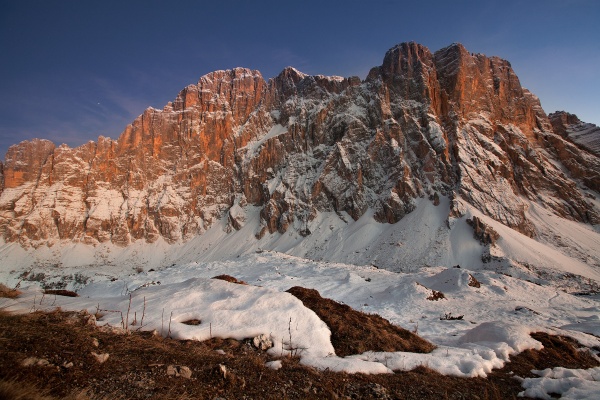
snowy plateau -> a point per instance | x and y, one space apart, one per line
437 173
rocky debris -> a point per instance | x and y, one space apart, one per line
421 124
100 358
34 361
95 342
231 378
483 232
262 342
222 370
179 371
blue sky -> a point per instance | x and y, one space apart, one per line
73 70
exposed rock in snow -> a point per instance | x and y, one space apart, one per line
485 234
262 342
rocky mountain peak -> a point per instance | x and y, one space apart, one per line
422 124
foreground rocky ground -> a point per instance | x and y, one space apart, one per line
62 355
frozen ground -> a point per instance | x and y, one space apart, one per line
529 286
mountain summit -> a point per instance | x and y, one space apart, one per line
450 124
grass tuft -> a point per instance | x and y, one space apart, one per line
7 292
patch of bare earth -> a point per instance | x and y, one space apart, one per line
59 347
354 332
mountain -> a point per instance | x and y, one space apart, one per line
299 154
583 134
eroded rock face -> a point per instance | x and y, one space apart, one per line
583 134
483 232
421 124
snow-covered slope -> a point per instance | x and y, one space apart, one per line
566 252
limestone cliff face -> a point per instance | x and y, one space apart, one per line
421 124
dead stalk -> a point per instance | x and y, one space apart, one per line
170 318
128 309
290 333
143 313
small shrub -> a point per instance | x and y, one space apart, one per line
192 322
81 279
39 277
450 317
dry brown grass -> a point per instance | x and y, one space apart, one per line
7 292
558 351
14 390
229 278
354 332
61 292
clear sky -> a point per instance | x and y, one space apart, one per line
73 70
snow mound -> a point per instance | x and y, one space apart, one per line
568 383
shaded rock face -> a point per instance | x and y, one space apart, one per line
482 232
422 124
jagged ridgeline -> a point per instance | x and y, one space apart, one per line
422 124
